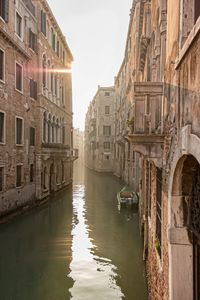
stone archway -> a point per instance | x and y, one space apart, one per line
51 178
184 231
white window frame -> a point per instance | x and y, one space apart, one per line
4 63
17 63
22 144
22 26
4 133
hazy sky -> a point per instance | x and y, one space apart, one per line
96 34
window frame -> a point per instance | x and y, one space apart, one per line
22 31
32 139
4 129
22 75
4 64
22 137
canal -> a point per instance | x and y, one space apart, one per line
78 246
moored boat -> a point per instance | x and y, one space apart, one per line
127 197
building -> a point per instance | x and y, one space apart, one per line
35 105
100 131
78 141
157 121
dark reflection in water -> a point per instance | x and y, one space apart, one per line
79 246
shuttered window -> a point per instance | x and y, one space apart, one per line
32 136
18 79
32 40
2 64
43 22
19 131
107 110
18 25
19 176
4 10
2 127
33 89
107 130
31 172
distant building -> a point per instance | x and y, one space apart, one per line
78 142
100 131
36 147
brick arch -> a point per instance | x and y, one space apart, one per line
179 235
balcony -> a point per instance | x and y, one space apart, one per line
145 124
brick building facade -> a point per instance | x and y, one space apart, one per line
157 119
35 105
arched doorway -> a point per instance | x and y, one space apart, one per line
184 231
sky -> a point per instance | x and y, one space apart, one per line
96 32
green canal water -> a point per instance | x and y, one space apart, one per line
78 246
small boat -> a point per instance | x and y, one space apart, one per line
127 197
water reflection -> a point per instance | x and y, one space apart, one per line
78 246
93 277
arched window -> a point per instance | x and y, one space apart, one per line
44 79
49 128
63 171
49 75
63 131
57 131
53 129
52 79
44 126
45 178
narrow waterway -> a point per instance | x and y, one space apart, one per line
78 246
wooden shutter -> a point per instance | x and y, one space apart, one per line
6 12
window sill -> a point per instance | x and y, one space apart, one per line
188 43
2 144
21 92
2 81
19 145
1 19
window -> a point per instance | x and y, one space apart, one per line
107 110
32 136
107 130
43 22
18 25
63 172
196 10
33 89
53 39
106 145
19 131
4 10
1 178
32 40
107 94
31 172
2 64
2 127
18 79
159 210
58 48
19 176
